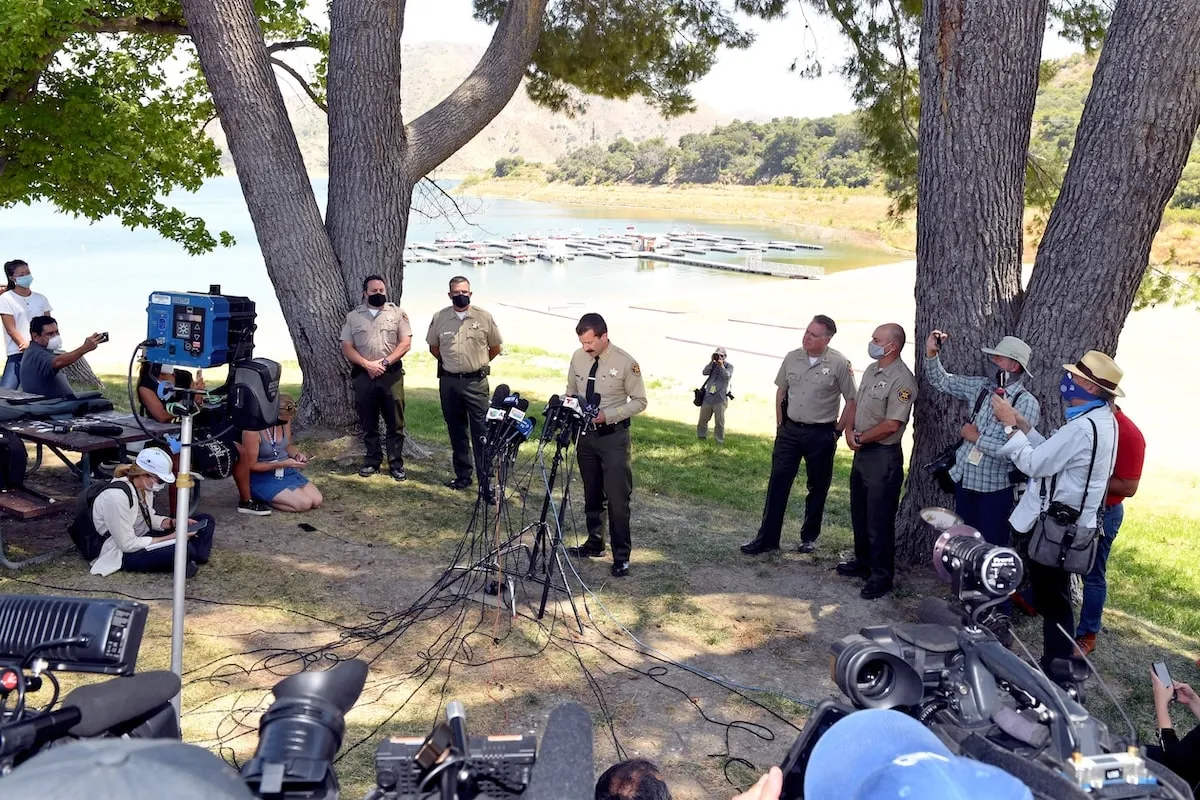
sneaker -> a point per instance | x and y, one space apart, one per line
852 569
459 483
398 474
367 470
807 547
254 507
1086 643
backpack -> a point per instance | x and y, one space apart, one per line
13 460
82 530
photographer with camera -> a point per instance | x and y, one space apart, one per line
43 361
714 396
1070 471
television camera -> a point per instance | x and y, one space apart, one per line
980 699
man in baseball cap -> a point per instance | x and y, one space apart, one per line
713 396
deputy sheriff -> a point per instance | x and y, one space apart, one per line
811 384
607 378
885 399
464 339
376 336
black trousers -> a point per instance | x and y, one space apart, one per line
815 445
464 407
1052 598
875 482
162 559
375 398
607 477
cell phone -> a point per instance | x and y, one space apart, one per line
794 767
304 526
103 337
195 526
1164 677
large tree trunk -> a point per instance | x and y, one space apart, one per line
295 246
1133 141
979 71
369 190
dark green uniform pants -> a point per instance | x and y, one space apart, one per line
464 407
607 476
376 397
875 482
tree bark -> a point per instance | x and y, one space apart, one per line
80 374
369 190
1138 125
978 72
297 250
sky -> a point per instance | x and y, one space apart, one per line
750 84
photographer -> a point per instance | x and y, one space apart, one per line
1070 471
715 397
42 363
1181 756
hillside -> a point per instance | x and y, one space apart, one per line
432 70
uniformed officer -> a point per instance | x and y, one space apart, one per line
464 339
811 383
607 378
885 400
374 339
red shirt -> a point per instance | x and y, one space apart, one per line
1131 453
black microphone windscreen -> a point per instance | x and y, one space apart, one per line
564 769
523 404
103 705
499 395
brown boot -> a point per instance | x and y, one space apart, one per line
1086 643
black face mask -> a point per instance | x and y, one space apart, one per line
376 300
461 301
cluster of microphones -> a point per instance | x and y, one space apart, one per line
509 423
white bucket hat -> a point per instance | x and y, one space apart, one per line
1014 348
157 463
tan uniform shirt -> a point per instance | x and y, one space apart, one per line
885 393
463 344
374 336
618 382
813 390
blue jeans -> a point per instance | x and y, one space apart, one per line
1095 587
986 512
12 372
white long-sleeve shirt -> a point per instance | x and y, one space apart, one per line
124 524
1066 454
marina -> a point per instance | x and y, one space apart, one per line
687 247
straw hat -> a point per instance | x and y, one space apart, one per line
1100 369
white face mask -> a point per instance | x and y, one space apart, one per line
55 343
157 487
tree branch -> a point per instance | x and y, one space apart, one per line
312 94
161 27
447 127
294 44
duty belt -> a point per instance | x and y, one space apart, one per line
606 430
466 376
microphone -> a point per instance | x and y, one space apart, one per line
495 412
20 737
551 412
564 769
519 432
456 716
515 414
104 705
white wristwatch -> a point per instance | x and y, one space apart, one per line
1009 430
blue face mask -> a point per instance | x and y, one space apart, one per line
876 351
1072 391
25 281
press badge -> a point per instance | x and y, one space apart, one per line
975 457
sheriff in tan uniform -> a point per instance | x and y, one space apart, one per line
464 339
812 384
608 378
885 399
377 334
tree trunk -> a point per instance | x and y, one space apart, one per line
979 72
369 190
80 375
1133 141
295 246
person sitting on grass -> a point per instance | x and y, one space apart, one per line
149 377
1181 756
129 527
275 465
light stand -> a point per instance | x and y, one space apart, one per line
183 496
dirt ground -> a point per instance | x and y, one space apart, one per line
763 623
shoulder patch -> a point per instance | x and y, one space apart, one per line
904 394
404 316
635 369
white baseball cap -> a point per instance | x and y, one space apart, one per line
157 463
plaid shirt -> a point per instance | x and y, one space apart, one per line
991 474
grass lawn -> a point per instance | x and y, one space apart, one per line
274 597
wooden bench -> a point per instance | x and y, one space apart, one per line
27 504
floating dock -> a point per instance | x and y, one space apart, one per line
774 269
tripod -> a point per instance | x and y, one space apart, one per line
549 544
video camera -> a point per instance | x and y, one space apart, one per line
980 699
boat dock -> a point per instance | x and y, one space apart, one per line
752 267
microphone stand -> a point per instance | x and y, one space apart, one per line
553 550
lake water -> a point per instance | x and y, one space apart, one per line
98 276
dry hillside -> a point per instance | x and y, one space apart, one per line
432 70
